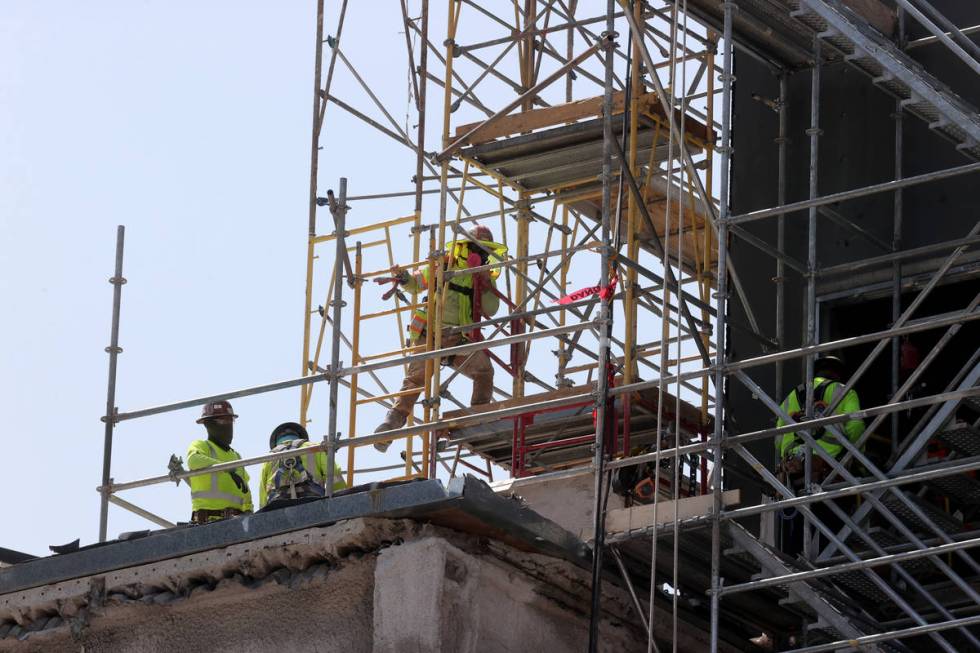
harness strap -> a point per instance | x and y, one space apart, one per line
462 290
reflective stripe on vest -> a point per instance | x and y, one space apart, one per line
214 492
417 325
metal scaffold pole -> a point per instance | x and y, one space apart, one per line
602 407
721 309
318 102
531 134
339 211
113 350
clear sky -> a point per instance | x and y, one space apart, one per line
188 122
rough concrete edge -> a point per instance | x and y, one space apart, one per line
284 559
288 558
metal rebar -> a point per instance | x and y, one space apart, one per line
113 350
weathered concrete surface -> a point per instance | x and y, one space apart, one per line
485 603
566 501
360 585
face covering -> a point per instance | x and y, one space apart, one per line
220 434
288 437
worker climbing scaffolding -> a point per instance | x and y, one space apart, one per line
468 299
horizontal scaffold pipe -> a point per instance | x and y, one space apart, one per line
849 566
357 369
491 416
854 194
730 367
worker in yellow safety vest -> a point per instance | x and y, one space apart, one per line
828 374
222 494
461 308
302 476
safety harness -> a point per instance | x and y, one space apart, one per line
294 477
819 408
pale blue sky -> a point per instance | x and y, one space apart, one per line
189 122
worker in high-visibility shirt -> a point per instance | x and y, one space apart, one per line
827 385
828 374
459 309
222 494
304 475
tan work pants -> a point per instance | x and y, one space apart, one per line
475 365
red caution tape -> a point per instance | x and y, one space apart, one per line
605 293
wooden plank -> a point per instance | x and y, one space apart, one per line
545 117
624 520
570 112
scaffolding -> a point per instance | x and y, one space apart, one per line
605 147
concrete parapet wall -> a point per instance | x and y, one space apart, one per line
359 585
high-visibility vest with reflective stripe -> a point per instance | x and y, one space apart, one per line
791 443
314 462
458 309
216 491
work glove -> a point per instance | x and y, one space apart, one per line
175 467
399 275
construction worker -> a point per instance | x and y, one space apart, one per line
459 310
222 494
294 478
827 383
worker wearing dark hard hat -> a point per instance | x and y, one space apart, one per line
829 374
222 494
459 309
827 383
304 475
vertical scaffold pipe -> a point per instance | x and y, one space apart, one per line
897 241
113 350
721 308
311 228
604 324
811 282
781 143
340 220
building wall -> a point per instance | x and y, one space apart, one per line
856 149
369 585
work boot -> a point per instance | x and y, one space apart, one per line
393 420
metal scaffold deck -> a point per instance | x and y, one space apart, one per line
595 139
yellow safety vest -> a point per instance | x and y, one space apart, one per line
216 491
791 443
458 309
